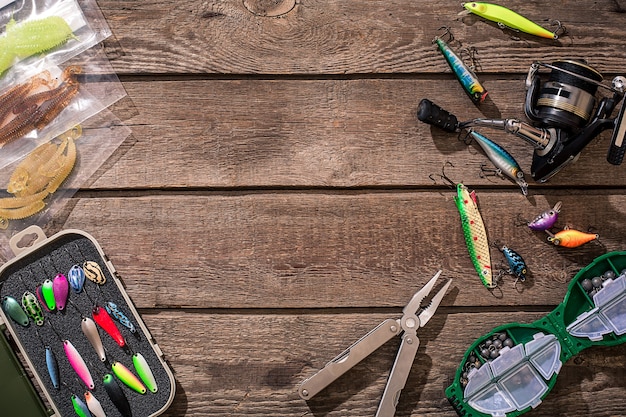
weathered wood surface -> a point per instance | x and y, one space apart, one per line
274 202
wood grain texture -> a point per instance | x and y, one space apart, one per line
255 366
336 37
327 249
274 202
324 133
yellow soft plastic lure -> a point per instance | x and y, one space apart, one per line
508 18
475 234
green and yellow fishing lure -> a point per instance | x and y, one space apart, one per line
475 234
506 17
32 37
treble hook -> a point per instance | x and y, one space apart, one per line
446 32
471 55
490 172
560 28
467 139
443 176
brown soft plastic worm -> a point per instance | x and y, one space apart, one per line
37 110
17 94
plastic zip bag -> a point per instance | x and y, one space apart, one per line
35 189
53 101
55 30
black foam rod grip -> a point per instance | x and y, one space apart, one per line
618 141
429 112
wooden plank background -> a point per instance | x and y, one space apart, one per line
274 202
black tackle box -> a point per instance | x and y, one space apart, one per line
130 376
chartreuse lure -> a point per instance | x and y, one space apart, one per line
464 74
32 37
475 234
47 292
127 377
144 372
508 18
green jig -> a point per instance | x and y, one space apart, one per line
14 310
144 372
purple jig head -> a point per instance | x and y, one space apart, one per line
546 220
76 276
60 288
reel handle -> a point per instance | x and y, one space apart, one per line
615 156
429 112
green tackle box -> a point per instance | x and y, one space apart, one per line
512 369
128 352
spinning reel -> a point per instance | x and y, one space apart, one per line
562 114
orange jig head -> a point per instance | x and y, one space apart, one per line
571 238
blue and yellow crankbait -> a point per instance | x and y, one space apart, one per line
503 161
464 74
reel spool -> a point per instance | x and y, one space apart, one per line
567 99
